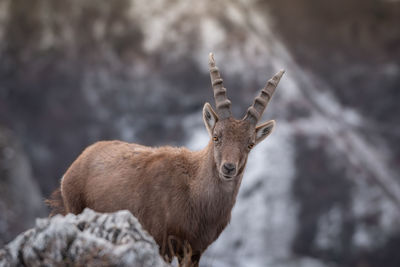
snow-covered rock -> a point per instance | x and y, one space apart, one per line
88 239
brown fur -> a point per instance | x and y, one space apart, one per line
174 192
56 203
165 188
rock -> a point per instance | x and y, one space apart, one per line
87 239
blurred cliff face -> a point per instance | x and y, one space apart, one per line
354 46
74 72
20 198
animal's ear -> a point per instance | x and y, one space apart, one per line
209 117
263 130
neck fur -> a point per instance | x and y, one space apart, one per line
208 188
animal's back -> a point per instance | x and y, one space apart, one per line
114 175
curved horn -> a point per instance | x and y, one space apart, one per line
221 101
255 112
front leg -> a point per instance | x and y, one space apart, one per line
195 259
183 252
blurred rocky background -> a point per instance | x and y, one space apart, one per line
323 190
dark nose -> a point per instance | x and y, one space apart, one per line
229 168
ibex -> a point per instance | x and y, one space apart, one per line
172 191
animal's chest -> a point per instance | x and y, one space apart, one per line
202 224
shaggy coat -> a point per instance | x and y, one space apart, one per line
176 194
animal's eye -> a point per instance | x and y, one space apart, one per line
215 138
250 146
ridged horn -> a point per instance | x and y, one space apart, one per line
221 100
255 112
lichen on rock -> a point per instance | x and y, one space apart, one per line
87 239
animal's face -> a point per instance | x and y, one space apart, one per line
233 139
